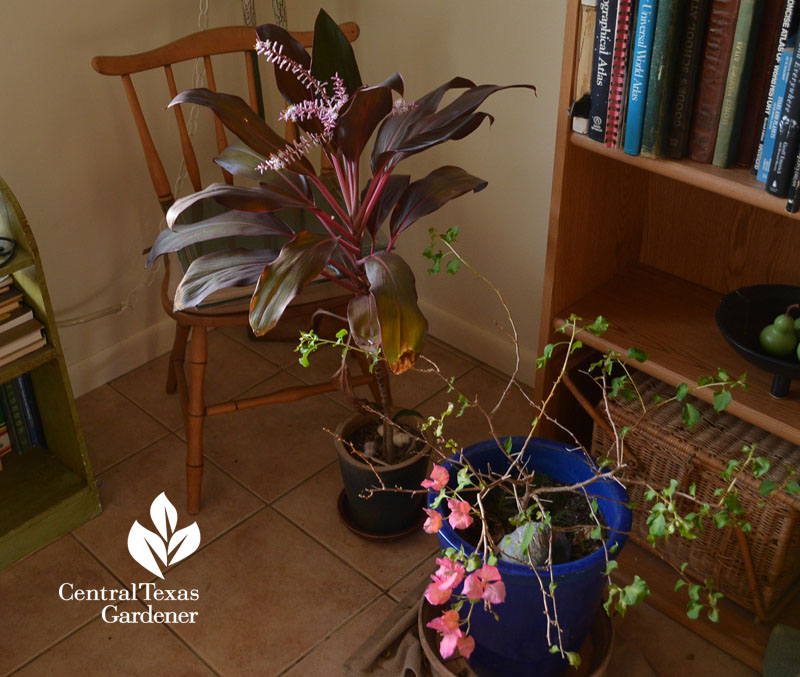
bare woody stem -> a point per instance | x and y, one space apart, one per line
389 451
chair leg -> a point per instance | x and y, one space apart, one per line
177 356
198 352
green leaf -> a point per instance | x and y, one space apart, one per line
453 266
428 194
220 270
574 659
766 487
596 532
464 480
332 53
638 354
760 466
721 519
598 327
690 414
403 327
554 649
679 584
527 537
722 399
793 488
693 610
610 566
681 391
713 615
300 261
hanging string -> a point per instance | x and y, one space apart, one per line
279 10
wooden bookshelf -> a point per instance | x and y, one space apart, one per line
44 492
653 245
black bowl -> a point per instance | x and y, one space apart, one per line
742 315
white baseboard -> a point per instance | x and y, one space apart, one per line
482 344
120 358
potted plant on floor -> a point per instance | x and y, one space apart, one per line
354 246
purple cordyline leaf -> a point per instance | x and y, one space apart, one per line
237 116
456 129
394 128
366 109
300 261
256 199
289 86
394 82
220 270
241 160
362 316
389 195
228 224
332 54
403 326
431 192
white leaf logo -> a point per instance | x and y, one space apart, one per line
145 545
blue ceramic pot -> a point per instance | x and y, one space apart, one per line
516 644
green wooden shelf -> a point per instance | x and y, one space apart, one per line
44 493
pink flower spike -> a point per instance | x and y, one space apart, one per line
465 646
459 513
438 480
473 587
433 523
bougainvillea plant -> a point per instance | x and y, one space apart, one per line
336 112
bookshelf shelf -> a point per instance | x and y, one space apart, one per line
736 183
44 493
653 245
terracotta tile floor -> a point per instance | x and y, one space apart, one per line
284 588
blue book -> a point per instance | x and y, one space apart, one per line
604 37
33 422
640 74
775 111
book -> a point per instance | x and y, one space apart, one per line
787 31
15 317
24 387
788 136
619 72
662 65
18 337
690 51
605 24
639 75
745 38
792 203
771 20
711 83
18 430
9 300
582 83
38 343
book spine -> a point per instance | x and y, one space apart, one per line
779 94
788 27
640 75
24 389
616 89
792 202
759 81
17 417
690 52
662 66
741 65
713 74
12 432
582 85
601 70
788 136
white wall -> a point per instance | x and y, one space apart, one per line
70 153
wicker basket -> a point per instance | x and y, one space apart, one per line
661 448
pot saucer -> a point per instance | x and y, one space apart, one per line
344 513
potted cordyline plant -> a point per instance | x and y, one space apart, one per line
336 112
530 528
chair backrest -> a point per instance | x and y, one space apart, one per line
202 45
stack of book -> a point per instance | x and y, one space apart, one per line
24 425
20 332
5 438
717 81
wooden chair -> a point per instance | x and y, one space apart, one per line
205 44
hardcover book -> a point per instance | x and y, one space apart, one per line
741 65
582 85
788 136
606 21
639 75
713 75
619 72
662 66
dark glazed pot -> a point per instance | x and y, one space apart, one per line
384 512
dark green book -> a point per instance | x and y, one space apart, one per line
745 40
16 417
666 41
